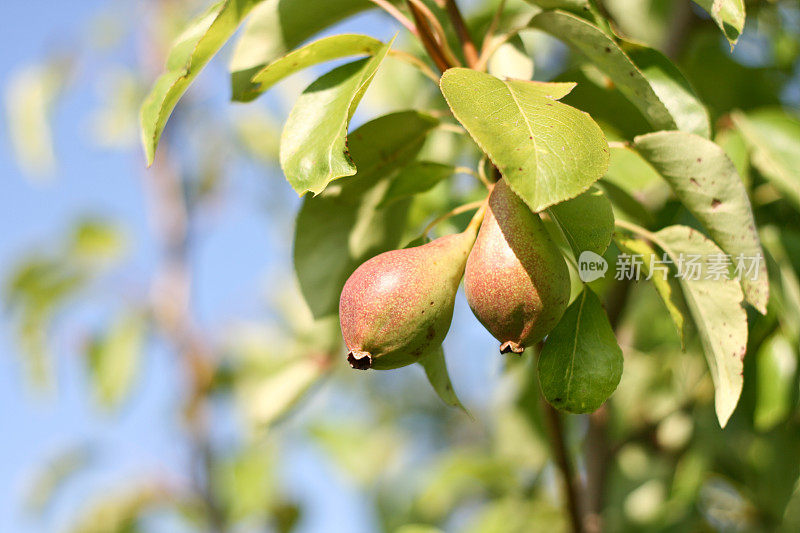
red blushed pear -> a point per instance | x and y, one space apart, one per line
396 307
516 280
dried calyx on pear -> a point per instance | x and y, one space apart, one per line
398 306
516 280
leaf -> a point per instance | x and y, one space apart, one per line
50 477
728 14
114 359
774 140
671 87
343 227
190 53
511 60
706 182
30 94
267 399
581 363
665 286
320 51
548 151
245 482
657 89
715 306
776 366
587 221
436 370
415 178
276 27
560 4
314 141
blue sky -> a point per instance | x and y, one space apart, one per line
144 437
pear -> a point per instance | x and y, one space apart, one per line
516 280
396 307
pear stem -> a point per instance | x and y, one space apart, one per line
457 211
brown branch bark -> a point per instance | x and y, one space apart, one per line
427 38
471 54
571 484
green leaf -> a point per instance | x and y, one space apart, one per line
706 182
606 55
776 362
560 4
511 60
314 140
276 27
320 51
587 221
245 482
52 475
774 140
666 287
114 359
436 370
548 151
417 177
341 228
728 14
581 363
715 306
671 87
267 399
190 52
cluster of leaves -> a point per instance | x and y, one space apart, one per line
681 161
549 152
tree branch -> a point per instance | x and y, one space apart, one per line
397 15
427 38
467 44
561 456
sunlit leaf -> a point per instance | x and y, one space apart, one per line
728 14
715 306
436 370
29 98
325 49
665 286
114 359
647 78
274 28
341 228
706 182
191 51
52 475
774 140
672 88
314 148
547 151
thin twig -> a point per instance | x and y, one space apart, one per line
482 179
467 44
439 34
427 38
492 29
397 15
457 211
413 60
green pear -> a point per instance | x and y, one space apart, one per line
516 280
396 307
